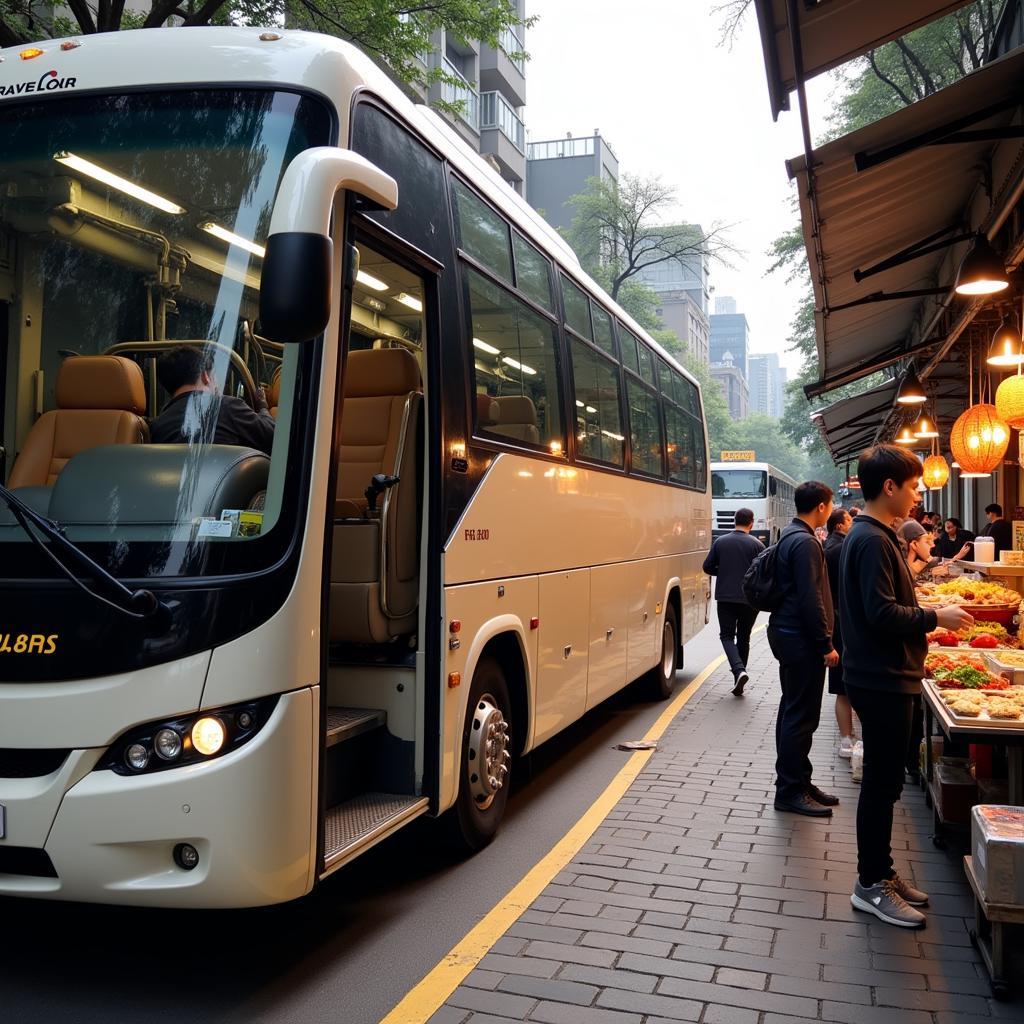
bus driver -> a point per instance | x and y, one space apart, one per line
184 373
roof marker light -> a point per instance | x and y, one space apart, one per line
70 44
31 52
232 239
115 181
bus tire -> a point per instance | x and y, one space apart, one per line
660 680
486 742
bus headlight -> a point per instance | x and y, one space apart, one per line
191 739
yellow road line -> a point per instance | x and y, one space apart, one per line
421 1002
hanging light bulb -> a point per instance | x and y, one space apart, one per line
982 271
924 428
1007 348
911 392
906 436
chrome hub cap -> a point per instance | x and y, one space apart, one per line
668 639
488 752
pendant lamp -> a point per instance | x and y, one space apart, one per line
935 472
979 439
924 428
982 271
906 436
1010 400
911 392
1007 348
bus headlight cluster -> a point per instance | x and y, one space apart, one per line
191 739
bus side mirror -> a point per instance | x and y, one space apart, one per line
296 290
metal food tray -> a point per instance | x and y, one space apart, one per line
1001 667
954 723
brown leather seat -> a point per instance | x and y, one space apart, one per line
273 392
375 584
517 417
100 400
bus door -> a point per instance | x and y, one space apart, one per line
373 715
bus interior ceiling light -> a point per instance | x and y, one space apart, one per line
484 347
911 392
982 271
115 181
516 365
1007 348
232 239
410 300
369 281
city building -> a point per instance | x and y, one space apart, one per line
558 169
492 92
725 304
730 340
767 382
680 312
734 388
691 273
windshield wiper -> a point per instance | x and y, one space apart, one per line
136 604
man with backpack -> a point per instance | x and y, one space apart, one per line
800 636
729 558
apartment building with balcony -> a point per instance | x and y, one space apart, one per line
491 88
558 169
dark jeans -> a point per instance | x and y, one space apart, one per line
916 735
885 719
802 675
735 621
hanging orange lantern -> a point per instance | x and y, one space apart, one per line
935 472
979 439
1010 401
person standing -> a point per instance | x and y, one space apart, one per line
954 542
800 636
998 529
885 643
839 524
729 558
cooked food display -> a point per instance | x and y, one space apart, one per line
975 593
1006 706
1015 658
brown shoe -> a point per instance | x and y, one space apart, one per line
804 804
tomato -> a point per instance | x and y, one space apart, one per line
948 639
985 641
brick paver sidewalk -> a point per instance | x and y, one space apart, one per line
697 901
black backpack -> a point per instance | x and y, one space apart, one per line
760 581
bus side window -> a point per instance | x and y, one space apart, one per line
598 418
577 309
646 358
628 344
533 273
648 452
482 233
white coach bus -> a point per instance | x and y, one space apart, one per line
768 492
225 672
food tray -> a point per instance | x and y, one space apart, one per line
981 722
1015 673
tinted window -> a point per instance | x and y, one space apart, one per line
644 430
598 419
482 233
603 330
665 378
515 369
533 272
680 446
646 364
628 344
577 308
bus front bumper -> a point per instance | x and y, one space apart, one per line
249 814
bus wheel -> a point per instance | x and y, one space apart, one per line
486 759
660 680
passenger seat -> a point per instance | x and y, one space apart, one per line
375 584
517 417
100 400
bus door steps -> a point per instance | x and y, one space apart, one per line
363 821
344 723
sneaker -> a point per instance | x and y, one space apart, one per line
915 897
741 680
857 762
884 901
846 747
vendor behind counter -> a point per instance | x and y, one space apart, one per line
954 541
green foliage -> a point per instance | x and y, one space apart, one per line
392 32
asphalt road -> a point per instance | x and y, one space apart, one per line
345 954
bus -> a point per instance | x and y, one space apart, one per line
759 486
225 672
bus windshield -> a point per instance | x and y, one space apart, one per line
141 410
739 483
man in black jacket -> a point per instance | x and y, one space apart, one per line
800 635
998 529
884 646
198 413
729 558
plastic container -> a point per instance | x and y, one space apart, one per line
984 549
857 761
997 843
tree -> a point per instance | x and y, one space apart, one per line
764 436
392 32
622 228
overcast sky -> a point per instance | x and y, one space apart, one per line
671 102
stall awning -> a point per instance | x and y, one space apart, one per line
899 186
833 32
852 424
